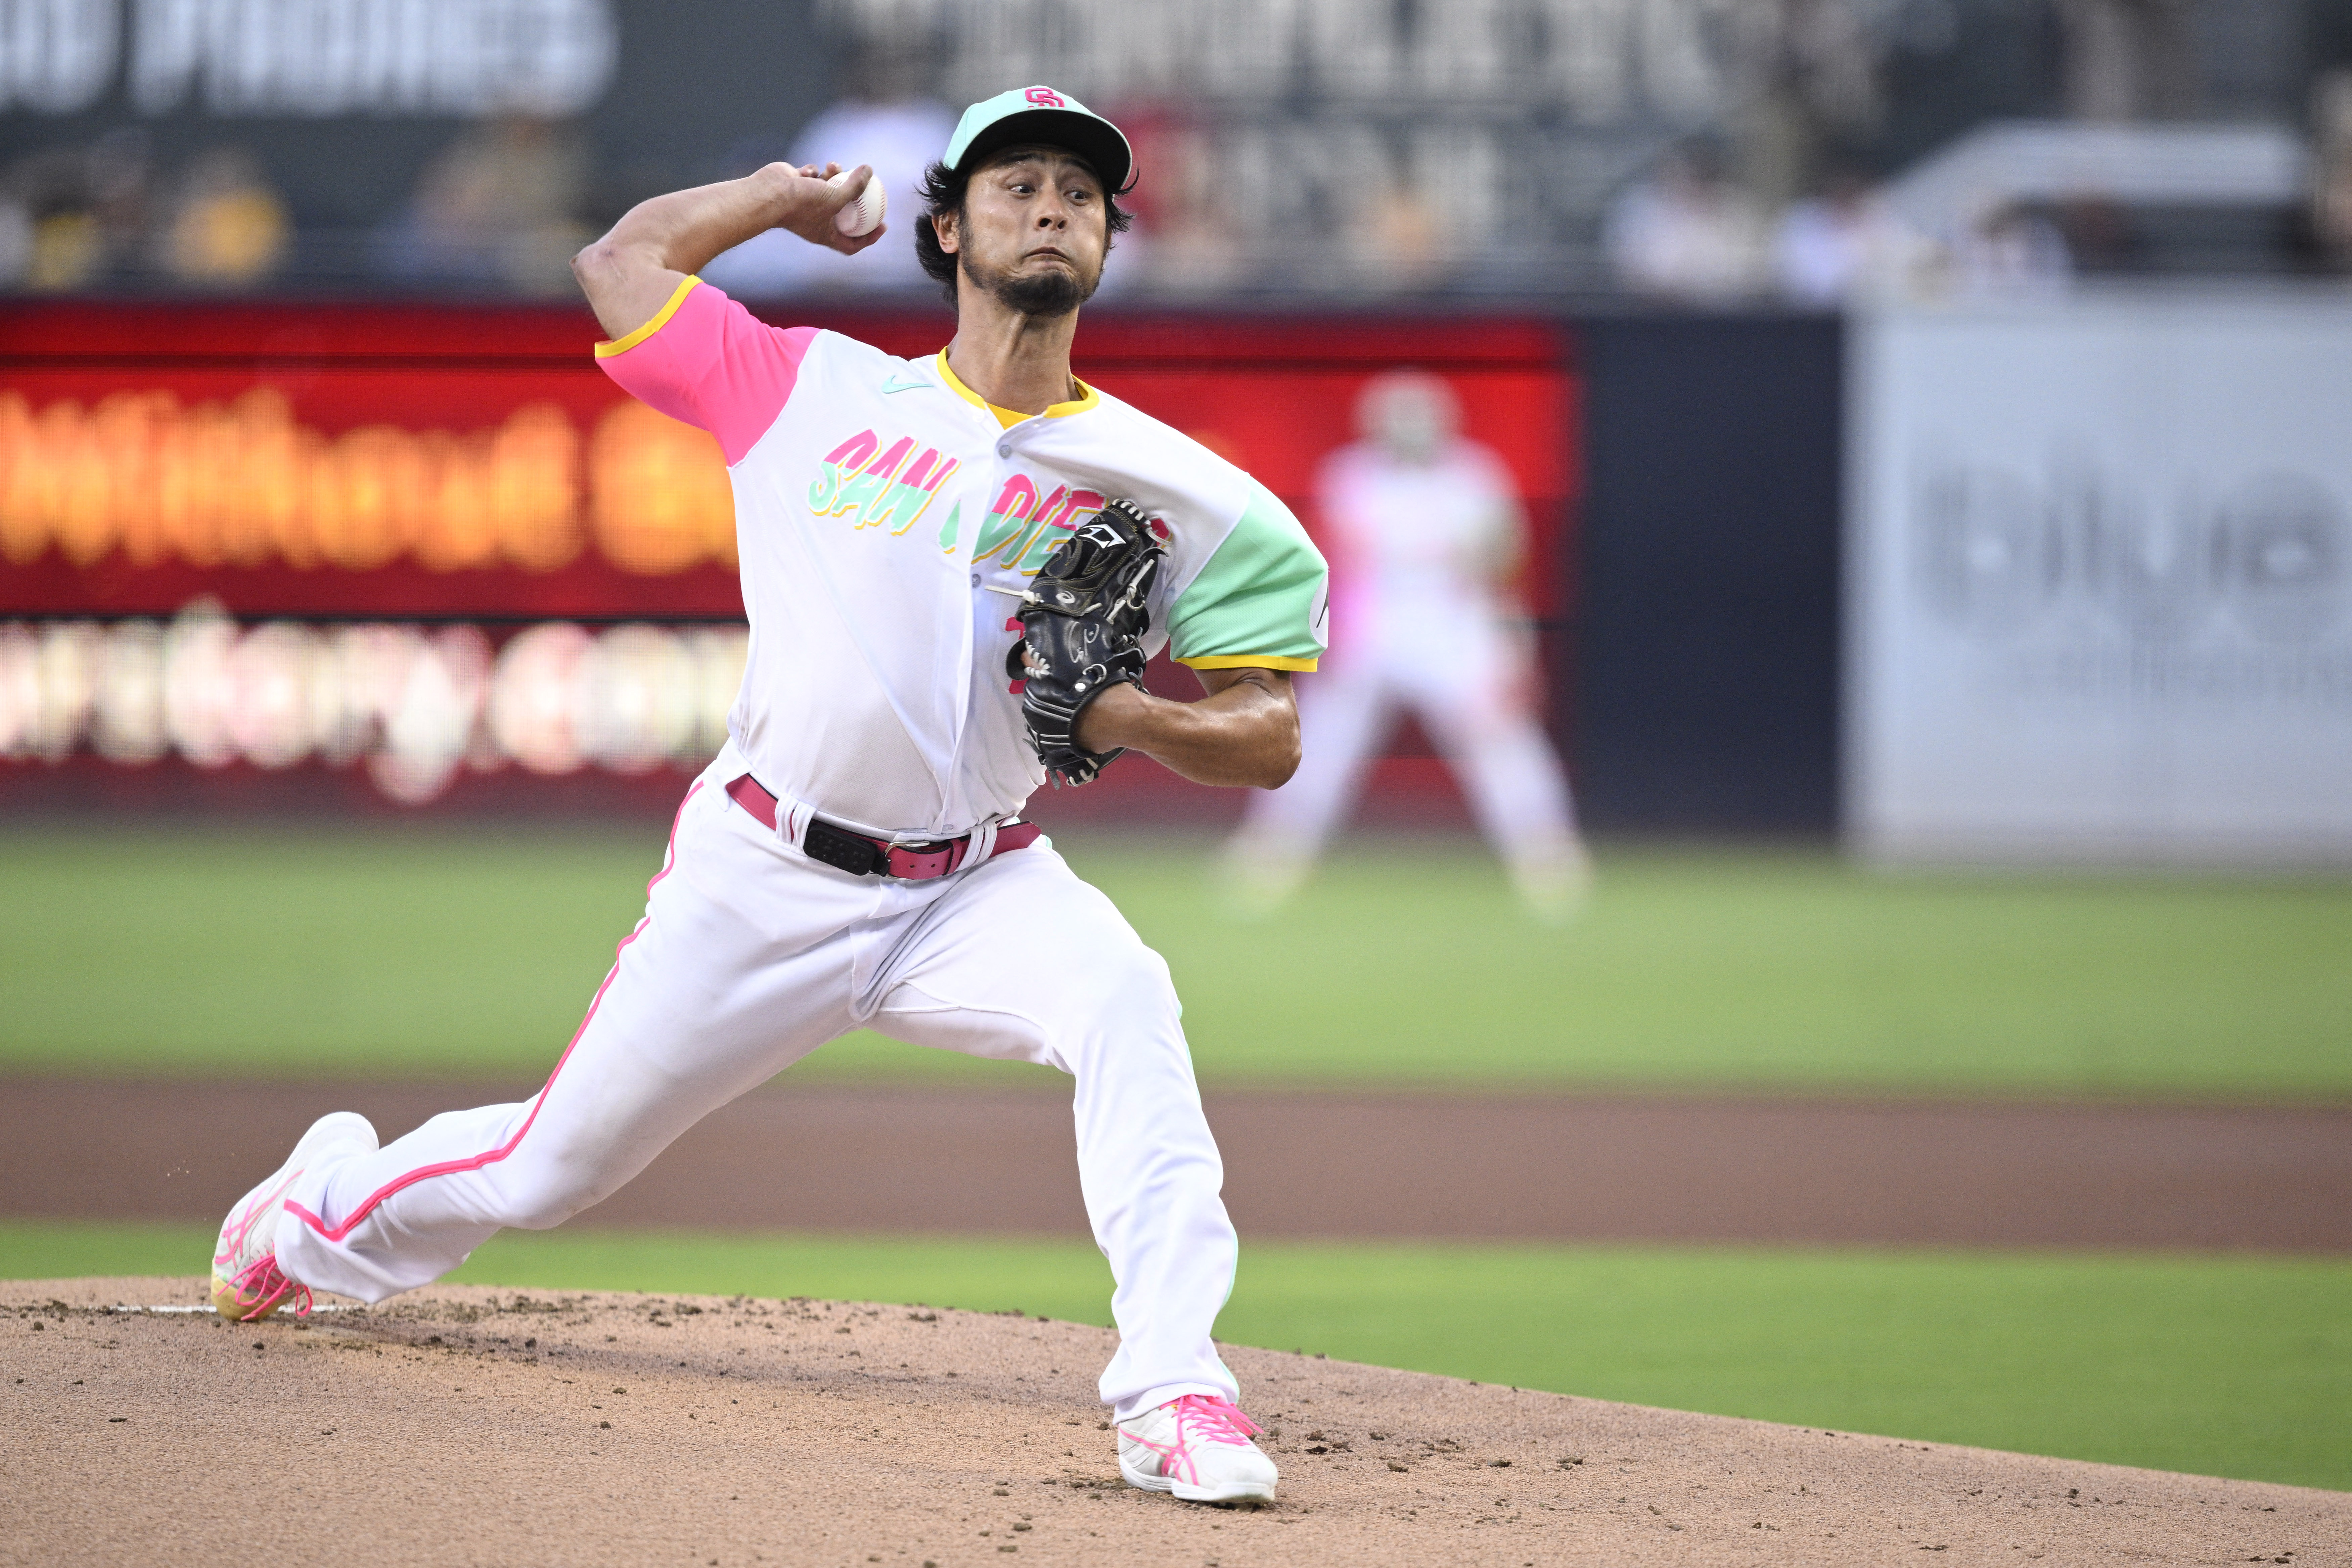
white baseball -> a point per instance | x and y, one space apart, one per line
864 216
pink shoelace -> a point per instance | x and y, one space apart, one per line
1202 1418
264 1285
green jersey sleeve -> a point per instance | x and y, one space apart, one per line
1259 602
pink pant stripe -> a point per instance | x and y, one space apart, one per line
492 1156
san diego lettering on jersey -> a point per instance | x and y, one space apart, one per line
880 502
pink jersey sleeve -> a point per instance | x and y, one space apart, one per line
708 362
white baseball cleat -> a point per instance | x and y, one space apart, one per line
1199 1448
248 1284
1554 882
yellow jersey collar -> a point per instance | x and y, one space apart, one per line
1006 417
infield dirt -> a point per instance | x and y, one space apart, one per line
475 1426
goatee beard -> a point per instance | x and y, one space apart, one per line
1038 293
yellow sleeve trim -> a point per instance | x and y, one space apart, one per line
1250 662
661 320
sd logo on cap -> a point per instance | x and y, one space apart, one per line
1024 115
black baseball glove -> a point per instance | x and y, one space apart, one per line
1081 626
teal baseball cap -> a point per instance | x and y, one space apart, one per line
1047 116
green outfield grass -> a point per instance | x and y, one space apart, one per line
2233 1366
420 951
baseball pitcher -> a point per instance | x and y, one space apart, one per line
954 570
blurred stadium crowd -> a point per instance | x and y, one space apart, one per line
1703 150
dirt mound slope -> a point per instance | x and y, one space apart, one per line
466 1425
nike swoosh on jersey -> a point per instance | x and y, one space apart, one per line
893 384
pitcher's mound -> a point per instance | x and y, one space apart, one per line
483 1426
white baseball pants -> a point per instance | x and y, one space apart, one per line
750 956
1475 713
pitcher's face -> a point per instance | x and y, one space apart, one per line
1034 230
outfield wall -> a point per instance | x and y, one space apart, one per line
1700 686
2090 598
2101 563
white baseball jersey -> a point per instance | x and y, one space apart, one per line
1415 543
880 504
1423 628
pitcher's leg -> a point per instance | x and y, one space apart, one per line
1513 778
697 1008
1513 782
969 978
1341 718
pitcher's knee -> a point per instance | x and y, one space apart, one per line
552 1188
1128 980
1124 1004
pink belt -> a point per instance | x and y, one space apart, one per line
859 855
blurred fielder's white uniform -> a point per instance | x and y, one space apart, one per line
1422 526
881 509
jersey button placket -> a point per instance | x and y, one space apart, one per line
1004 455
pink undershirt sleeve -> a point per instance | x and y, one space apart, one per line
715 366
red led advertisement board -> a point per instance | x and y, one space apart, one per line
399 461
405 521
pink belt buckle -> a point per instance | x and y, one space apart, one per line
922 866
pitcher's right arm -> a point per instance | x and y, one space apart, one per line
631 273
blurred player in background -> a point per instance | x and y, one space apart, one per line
1425 536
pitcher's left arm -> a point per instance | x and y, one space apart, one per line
1244 731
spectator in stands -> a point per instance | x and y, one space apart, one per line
2331 184
2016 253
1686 232
16 240
2129 59
1844 245
887 120
228 230
1399 239
72 214
1183 242
498 206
